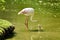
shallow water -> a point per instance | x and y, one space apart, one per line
46 12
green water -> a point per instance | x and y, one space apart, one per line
47 12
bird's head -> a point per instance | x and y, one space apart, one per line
20 13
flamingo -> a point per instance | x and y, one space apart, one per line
27 12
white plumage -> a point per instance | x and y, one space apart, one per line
27 12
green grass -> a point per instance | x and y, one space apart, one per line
45 14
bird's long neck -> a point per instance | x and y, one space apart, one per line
31 17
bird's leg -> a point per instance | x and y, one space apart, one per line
26 22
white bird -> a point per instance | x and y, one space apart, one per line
27 12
